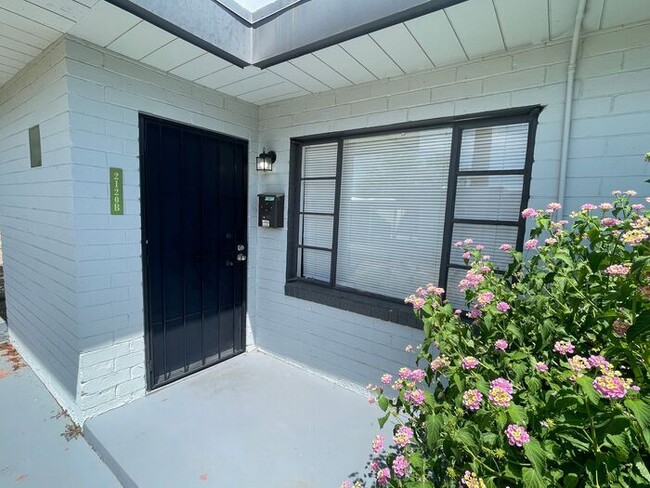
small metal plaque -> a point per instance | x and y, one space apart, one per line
117 191
35 157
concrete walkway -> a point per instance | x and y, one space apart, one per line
253 421
33 452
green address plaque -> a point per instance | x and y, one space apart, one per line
117 191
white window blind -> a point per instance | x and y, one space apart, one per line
318 185
384 232
393 195
489 193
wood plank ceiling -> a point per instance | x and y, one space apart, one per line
466 31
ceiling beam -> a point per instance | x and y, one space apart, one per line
285 30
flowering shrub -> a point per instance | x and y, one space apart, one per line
544 381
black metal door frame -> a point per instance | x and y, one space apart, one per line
142 118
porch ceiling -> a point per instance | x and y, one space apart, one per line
469 30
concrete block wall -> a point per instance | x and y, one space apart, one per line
106 94
37 223
611 130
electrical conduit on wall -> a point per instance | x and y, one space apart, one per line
568 105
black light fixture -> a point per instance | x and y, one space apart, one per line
264 161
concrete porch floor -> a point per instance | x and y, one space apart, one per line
251 421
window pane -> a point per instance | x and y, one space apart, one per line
454 295
319 160
318 196
492 197
314 264
494 148
316 230
490 236
392 211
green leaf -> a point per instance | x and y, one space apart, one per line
419 484
517 414
640 327
640 465
571 480
532 479
433 425
383 402
620 444
641 411
382 421
536 455
464 436
417 461
585 383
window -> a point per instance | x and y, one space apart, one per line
374 215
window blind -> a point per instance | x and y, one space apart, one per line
392 211
318 192
489 190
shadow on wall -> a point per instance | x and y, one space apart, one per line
3 303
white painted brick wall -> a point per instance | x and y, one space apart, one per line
37 223
74 273
611 130
107 91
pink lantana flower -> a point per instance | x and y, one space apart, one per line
469 362
474 313
553 206
501 345
383 475
517 435
466 255
404 373
610 221
505 247
386 379
439 363
471 280
630 193
542 367
551 241
471 480
502 383
498 396
485 298
503 307
531 244
472 399
620 327
417 375
578 363
617 270
599 362
610 386
408 348
564 347
403 436
529 213
378 443
606 206
416 397
400 466
588 207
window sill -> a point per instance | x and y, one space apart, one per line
355 302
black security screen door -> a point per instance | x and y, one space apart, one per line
194 247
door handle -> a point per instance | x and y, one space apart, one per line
241 257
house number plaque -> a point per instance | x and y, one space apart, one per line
117 191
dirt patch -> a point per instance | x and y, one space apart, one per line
9 352
72 431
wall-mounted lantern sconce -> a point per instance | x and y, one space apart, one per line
264 161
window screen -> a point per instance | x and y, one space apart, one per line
375 213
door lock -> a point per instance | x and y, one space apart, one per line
241 257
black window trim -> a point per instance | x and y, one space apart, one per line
371 304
